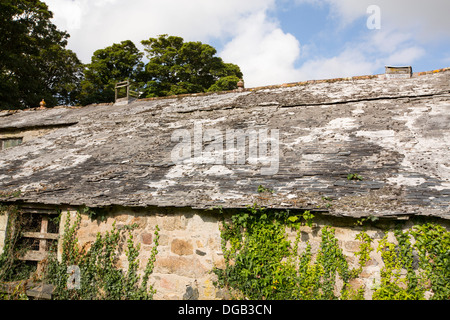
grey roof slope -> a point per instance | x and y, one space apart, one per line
394 133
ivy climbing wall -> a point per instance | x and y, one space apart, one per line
194 250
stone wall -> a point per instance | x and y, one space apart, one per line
190 246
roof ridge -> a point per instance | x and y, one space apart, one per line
293 84
275 86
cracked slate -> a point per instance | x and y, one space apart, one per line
394 133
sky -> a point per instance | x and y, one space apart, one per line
273 41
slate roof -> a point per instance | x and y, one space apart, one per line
394 133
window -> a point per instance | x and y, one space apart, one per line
8 143
40 232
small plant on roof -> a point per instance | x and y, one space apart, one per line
262 189
354 176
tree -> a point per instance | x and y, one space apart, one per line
108 66
34 63
177 67
62 74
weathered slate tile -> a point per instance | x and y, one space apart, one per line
394 133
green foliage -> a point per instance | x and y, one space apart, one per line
174 67
257 246
432 248
178 67
262 189
392 285
354 176
317 279
365 249
308 217
328 202
100 276
361 221
14 194
108 66
261 263
224 84
34 63
330 260
18 293
98 214
11 267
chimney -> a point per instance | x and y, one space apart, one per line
240 85
398 72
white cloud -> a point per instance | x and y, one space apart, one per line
395 48
267 55
407 29
264 52
406 56
95 24
349 63
67 13
428 19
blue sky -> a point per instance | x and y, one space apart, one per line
273 41
325 35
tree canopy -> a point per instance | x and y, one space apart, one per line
34 63
108 66
177 67
173 67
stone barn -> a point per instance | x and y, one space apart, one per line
344 149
